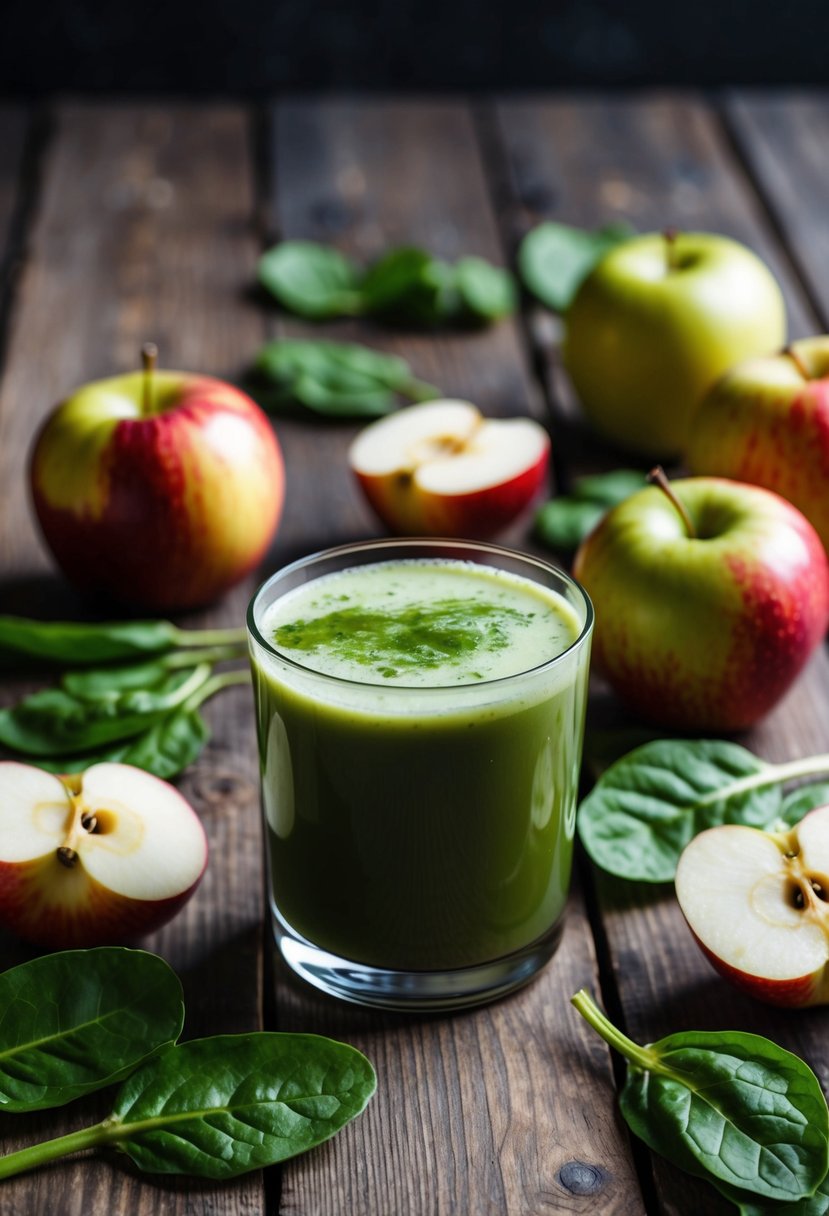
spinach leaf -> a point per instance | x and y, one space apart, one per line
564 522
78 1020
338 379
813 1205
645 808
485 291
94 683
79 642
554 259
218 1107
54 721
800 801
731 1107
410 286
165 749
311 280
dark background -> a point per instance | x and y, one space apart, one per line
254 47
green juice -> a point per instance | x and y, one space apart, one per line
420 726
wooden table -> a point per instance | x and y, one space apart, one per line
131 222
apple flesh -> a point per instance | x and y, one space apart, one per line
704 632
656 322
95 859
756 904
162 499
442 469
767 421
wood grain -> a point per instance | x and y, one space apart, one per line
646 160
145 229
507 1109
784 139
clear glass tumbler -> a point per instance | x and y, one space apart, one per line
419 839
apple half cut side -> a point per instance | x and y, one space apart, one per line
99 858
756 902
443 469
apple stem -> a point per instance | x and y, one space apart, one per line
638 1056
797 360
149 358
671 258
107 1131
657 477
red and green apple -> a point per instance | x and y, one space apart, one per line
101 857
443 469
656 323
159 489
704 615
767 421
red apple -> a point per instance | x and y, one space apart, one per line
103 857
703 624
442 469
756 903
767 421
159 489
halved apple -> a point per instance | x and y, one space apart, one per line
443 469
757 904
100 857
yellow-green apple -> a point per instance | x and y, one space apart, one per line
767 421
443 469
703 622
100 857
656 322
159 489
756 903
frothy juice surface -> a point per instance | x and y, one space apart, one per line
421 624
420 804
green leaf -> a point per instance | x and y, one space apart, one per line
645 808
338 379
76 1021
564 522
409 285
95 683
733 1107
486 291
219 1107
813 1205
799 802
554 259
75 642
609 489
53 721
165 749
730 1107
311 280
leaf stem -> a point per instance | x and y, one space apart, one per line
216 684
209 637
419 390
210 654
49 1150
638 1056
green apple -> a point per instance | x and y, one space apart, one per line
767 421
704 621
657 321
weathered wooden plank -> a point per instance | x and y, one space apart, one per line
144 230
659 161
14 127
784 140
482 1112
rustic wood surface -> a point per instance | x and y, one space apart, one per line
123 223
